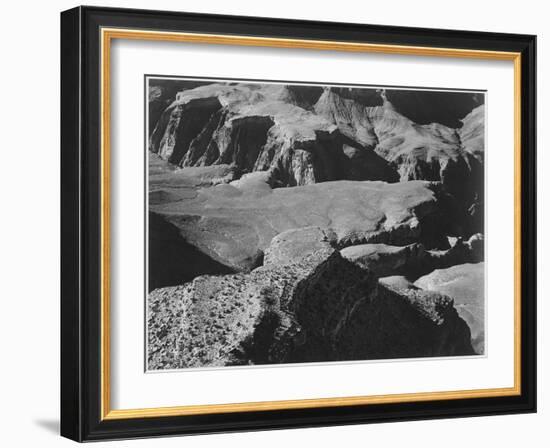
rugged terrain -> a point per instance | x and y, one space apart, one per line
304 223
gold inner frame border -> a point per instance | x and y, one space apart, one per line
107 35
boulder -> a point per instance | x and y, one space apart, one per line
466 284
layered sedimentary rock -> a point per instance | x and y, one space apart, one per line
317 307
261 128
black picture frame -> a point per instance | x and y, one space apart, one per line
81 414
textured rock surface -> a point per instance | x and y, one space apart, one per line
466 284
319 307
292 244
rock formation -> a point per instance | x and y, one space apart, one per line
302 223
315 307
305 138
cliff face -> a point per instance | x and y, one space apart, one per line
287 311
416 151
262 128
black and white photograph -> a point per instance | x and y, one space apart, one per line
297 223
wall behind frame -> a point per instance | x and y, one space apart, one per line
29 230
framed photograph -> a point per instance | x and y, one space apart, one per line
275 224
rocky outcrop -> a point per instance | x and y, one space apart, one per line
234 223
318 307
414 259
466 284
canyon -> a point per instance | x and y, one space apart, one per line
296 223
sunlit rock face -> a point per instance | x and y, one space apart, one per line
466 284
309 223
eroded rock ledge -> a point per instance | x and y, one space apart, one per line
234 223
414 259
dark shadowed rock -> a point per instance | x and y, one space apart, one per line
172 260
162 92
434 106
